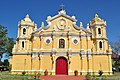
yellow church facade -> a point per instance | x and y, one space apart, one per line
62 47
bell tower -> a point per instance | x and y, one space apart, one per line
25 28
98 29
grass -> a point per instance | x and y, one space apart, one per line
8 76
115 76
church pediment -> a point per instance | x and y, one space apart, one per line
61 22
63 14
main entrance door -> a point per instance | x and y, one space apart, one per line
61 66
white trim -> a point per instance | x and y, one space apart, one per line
54 71
74 20
34 49
89 57
34 38
32 70
89 70
83 71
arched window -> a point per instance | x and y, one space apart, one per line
99 30
23 44
100 44
61 43
24 31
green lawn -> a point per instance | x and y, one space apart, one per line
8 76
115 76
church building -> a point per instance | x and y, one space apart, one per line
62 47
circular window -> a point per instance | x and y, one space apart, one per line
48 41
75 41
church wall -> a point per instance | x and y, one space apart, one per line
75 62
101 62
35 63
74 47
36 44
84 65
46 62
44 45
84 45
23 62
90 63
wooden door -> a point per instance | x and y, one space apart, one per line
61 66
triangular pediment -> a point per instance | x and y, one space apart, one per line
54 25
63 15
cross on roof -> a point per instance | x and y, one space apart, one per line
62 6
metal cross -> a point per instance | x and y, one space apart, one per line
62 6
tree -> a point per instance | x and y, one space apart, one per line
6 63
115 56
115 47
9 45
3 39
6 43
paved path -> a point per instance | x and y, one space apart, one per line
62 77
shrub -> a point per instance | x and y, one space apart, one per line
100 72
23 73
76 73
88 76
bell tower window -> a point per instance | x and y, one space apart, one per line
23 44
99 30
100 44
61 43
24 31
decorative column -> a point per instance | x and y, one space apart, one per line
69 66
40 60
110 64
93 63
33 61
89 63
53 64
82 64
89 53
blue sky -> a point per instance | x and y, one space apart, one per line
12 11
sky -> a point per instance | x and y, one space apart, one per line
12 11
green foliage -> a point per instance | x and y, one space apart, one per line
6 63
3 39
116 63
9 45
6 43
23 73
88 76
10 67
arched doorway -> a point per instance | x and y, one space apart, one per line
61 66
